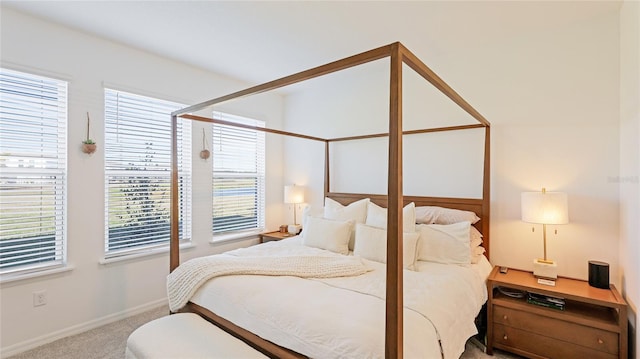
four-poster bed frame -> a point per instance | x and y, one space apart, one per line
394 200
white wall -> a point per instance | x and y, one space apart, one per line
629 178
92 293
327 108
551 95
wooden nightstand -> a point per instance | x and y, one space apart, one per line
593 323
273 236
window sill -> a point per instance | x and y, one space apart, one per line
19 276
235 237
142 254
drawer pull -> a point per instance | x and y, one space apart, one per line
504 317
505 337
600 341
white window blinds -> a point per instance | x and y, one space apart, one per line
138 173
238 176
33 157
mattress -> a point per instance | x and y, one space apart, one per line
345 317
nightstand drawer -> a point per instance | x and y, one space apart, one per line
510 338
593 338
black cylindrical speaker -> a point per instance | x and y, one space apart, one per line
599 274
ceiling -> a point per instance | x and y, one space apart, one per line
261 41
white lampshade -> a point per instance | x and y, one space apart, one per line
545 207
293 194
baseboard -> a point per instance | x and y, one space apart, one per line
77 329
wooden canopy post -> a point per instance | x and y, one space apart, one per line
394 305
326 169
174 239
486 189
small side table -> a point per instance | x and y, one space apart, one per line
592 324
274 236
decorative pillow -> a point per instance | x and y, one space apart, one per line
356 212
476 253
475 243
441 215
447 244
377 217
371 243
328 234
307 212
476 237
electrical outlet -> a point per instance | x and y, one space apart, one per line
39 298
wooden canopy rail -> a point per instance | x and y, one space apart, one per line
394 199
255 128
337 139
411 132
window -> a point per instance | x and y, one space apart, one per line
33 172
238 176
138 173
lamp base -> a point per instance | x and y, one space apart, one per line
294 229
545 269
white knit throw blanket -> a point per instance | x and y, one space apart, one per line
185 280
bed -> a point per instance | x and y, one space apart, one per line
401 326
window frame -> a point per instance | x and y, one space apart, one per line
259 174
30 98
159 170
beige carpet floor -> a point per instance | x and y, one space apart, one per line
109 342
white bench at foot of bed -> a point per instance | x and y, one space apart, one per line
185 335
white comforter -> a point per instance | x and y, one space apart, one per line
187 278
344 317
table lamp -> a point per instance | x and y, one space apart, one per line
294 195
545 208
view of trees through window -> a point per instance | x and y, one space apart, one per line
138 172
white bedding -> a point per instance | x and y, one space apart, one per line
186 279
344 317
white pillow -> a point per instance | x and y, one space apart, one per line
476 237
475 245
371 243
307 212
441 215
377 217
356 212
447 244
328 234
476 253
